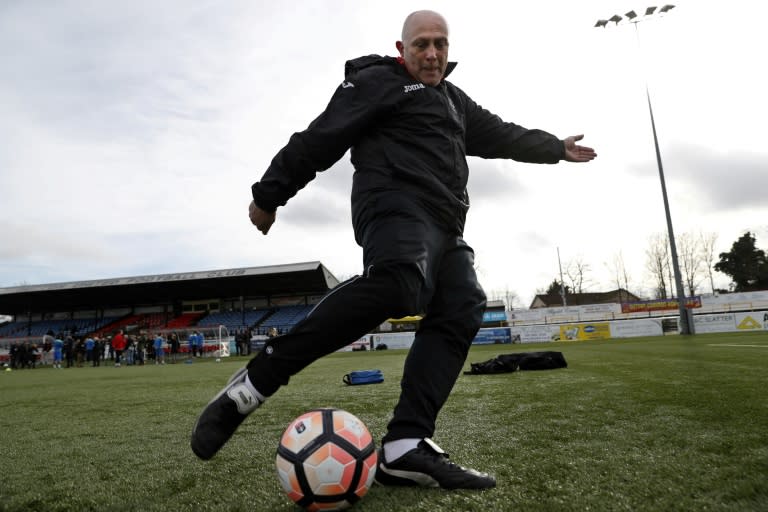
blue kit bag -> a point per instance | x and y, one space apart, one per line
363 377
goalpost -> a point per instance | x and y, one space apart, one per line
216 340
223 339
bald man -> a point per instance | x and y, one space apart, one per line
410 131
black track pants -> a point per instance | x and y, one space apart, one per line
412 267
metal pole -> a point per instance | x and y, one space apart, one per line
562 284
686 327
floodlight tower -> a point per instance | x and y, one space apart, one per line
686 319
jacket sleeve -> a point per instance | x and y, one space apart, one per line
487 136
353 107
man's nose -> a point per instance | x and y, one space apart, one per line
431 53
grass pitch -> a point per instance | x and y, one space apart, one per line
667 423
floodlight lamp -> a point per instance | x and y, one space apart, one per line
631 15
667 8
601 23
615 18
650 10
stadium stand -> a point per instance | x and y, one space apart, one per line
234 320
240 299
184 320
64 327
284 318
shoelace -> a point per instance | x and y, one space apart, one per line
443 457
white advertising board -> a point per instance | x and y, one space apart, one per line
721 322
534 333
752 321
393 339
638 327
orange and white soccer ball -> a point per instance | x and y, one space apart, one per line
326 460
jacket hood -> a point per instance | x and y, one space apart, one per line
354 65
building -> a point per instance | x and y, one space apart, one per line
618 296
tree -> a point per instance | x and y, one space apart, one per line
707 243
657 264
509 297
618 268
556 288
691 262
577 270
745 264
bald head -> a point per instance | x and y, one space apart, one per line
422 18
424 47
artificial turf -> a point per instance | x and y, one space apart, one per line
666 423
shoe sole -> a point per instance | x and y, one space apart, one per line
396 477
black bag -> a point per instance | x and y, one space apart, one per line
505 363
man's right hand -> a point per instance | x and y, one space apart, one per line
261 219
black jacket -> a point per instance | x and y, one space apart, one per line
406 138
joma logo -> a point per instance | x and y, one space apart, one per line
414 87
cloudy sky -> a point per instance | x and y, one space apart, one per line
132 131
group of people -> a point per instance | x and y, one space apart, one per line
196 343
67 351
23 355
60 351
136 350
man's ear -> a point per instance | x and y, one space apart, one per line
400 47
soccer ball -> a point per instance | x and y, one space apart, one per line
326 460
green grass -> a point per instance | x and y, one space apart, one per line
666 423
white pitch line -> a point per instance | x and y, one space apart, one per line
731 345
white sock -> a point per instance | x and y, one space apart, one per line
253 390
393 450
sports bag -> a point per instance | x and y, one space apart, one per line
363 377
505 363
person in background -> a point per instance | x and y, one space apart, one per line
192 344
79 351
118 344
173 341
98 351
58 352
89 346
69 351
159 350
200 344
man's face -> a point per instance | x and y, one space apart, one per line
425 49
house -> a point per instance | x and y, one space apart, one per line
582 299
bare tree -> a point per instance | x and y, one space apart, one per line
707 243
657 263
510 298
690 259
619 271
577 270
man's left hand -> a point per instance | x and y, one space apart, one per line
575 152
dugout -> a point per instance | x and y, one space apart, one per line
234 289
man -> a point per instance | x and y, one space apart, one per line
174 342
200 340
159 350
98 351
89 345
410 131
58 348
119 343
193 343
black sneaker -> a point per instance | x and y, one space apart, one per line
223 415
427 465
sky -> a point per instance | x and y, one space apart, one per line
132 132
